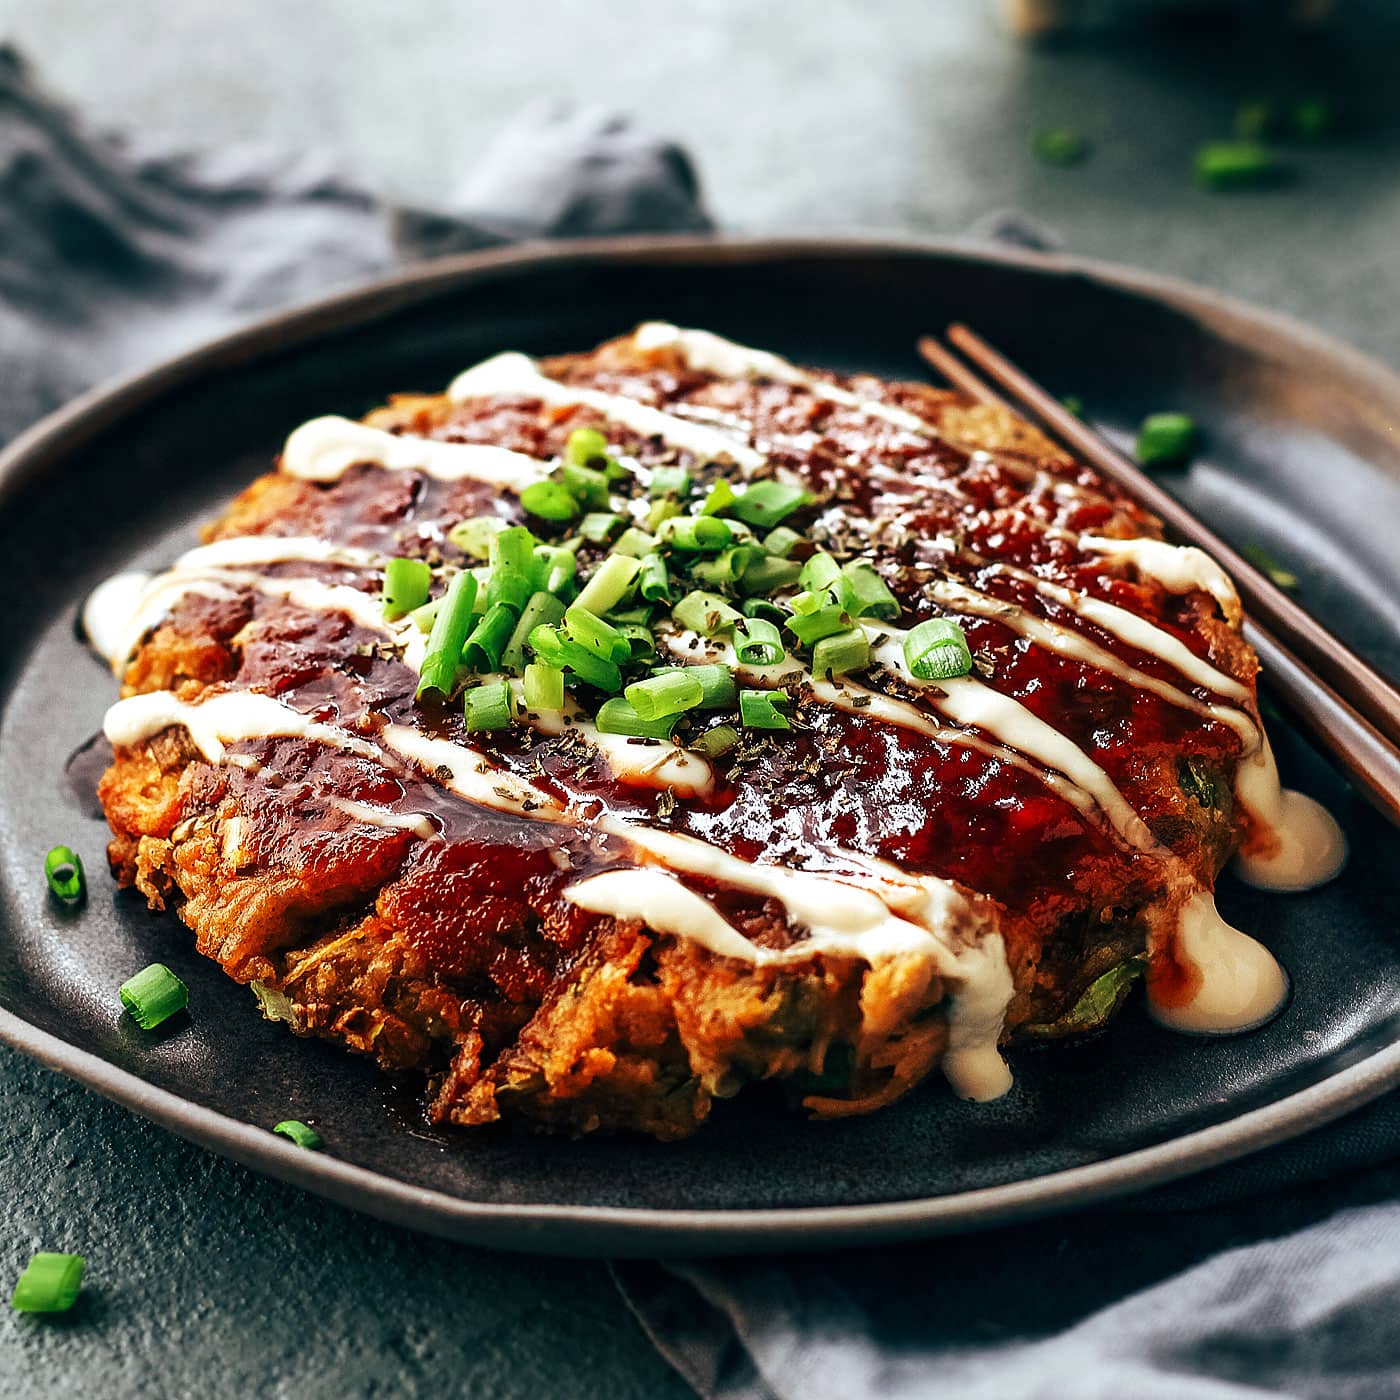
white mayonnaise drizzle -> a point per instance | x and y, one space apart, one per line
108 612
416 822
518 376
1178 568
1240 984
324 449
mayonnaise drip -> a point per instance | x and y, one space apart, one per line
1178 568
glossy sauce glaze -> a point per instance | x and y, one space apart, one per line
960 823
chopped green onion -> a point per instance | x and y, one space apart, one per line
153 995
588 487
549 500
483 648
781 541
50 1283
696 532
601 638
543 608
300 1134
544 688
1074 404
609 583
813 626
1313 119
513 547
759 709
667 694
449 635
635 542
1238 165
508 586
406 584
474 536
669 481
765 574
661 512
1165 439
585 445
758 643
561 652
63 869
488 706
640 638
805 602
554 568
599 526
1059 146
765 503
706 613
1267 564
728 567
937 650
1255 120
424 617
762 607
716 682
616 716
840 653
721 496
653 582
864 594
819 572
717 741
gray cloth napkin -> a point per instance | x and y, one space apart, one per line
114 253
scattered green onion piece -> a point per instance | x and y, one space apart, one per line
588 487
1074 404
616 716
1060 146
609 584
561 652
841 653
1313 119
781 541
759 709
653 582
716 681
669 481
641 639
599 526
1267 564
811 627
706 613
720 498
1238 165
717 741
1255 120
544 688
670 693
1165 439
806 602
727 567
542 610
635 542
585 445
50 1283
423 618
449 635
406 584
601 638
554 568
696 532
661 512
765 503
63 869
510 587
299 1133
937 650
762 607
819 572
549 500
514 547
758 643
153 995
474 536
864 594
765 574
488 706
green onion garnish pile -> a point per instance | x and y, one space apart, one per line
574 603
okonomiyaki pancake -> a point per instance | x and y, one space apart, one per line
617 730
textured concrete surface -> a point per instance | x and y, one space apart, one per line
908 114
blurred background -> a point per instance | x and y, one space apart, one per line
911 115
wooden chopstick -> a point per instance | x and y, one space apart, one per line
1371 757
1359 683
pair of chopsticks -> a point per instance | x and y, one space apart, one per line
1349 708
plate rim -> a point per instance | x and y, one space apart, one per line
628 1230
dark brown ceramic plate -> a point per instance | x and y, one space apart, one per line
1303 457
